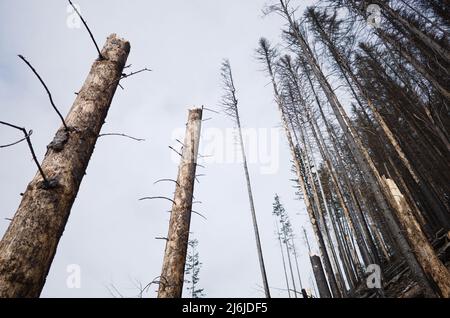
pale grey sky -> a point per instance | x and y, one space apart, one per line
110 234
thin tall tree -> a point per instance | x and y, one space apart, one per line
230 106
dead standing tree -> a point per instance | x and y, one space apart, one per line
319 274
230 104
29 244
172 276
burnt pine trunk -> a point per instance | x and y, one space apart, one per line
29 244
172 276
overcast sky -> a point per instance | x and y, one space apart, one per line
110 234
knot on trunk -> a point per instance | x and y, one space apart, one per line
61 138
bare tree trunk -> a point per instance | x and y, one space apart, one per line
286 243
29 244
230 104
296 263
252 209
320 276
423 250
172 275
282 258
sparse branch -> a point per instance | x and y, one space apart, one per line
153 198
18 141
28 139
171 180
46 89
100 56
129 75
199 214
173 149
121 135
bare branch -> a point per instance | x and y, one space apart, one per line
129 75
153 198
47 90
171 180
211 110
28 139
121 135
179 142
17 142
100 56
176 151
199 214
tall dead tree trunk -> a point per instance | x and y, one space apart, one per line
423 250
282 258
29 244
172 275
319 274
230 104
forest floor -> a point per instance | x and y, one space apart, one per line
398 282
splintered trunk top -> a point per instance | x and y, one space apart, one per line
29 244
172 276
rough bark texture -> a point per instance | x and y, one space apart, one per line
320 277
172 276
423 250
29 244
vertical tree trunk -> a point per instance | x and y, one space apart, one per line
172 275
282 258
319 274
286 243
29 244
253 212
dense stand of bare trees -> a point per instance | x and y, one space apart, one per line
380 177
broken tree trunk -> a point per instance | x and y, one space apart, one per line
172 276
425 254
29 244
319 274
